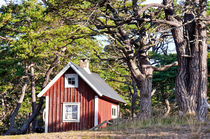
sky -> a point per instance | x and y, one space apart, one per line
152 1
2 2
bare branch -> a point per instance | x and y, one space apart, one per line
3 38
206 103
120 81
175 24
150 6
167 107
164 67
153 91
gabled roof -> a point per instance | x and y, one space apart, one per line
92 79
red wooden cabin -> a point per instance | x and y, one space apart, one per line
77 99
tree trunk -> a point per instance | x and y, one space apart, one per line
203 69
26 124
33 94
41 100
145 99
191 46
12 129
134 97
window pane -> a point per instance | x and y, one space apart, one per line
114 112
71 112
68 108
68 116
74 116
74 108
69 80
73 82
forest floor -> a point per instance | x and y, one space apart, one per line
164 129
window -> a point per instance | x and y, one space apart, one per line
71 80
114 112
71 112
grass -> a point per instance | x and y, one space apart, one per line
155 122
156 127
170 126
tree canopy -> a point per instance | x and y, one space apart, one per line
39 38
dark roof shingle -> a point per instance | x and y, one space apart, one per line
100 84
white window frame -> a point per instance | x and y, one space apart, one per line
67 85
78 112
114 116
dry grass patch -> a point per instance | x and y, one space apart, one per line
164 128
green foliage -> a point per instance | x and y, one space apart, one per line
35 37
164 81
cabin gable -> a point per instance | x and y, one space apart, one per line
59 95
77 99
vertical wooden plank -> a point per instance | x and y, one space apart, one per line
79 100
61 104
72 95
76 100
51 109
68 100
58 106
81 106
88 111
49 117
91 110
65 100
73 100
83 102
54 106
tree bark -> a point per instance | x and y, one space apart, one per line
145 99
12 129
191 46
133 97
33 94
26 124
203 69
132 44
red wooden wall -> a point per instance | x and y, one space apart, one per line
104 110
59 94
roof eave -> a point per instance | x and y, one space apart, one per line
61 73
85 79
54 80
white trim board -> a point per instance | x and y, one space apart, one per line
67 85
62 72
47 113
54 80
85 79
96 111
115 108
78 112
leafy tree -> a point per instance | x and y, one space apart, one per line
164 83
127 31
38 42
